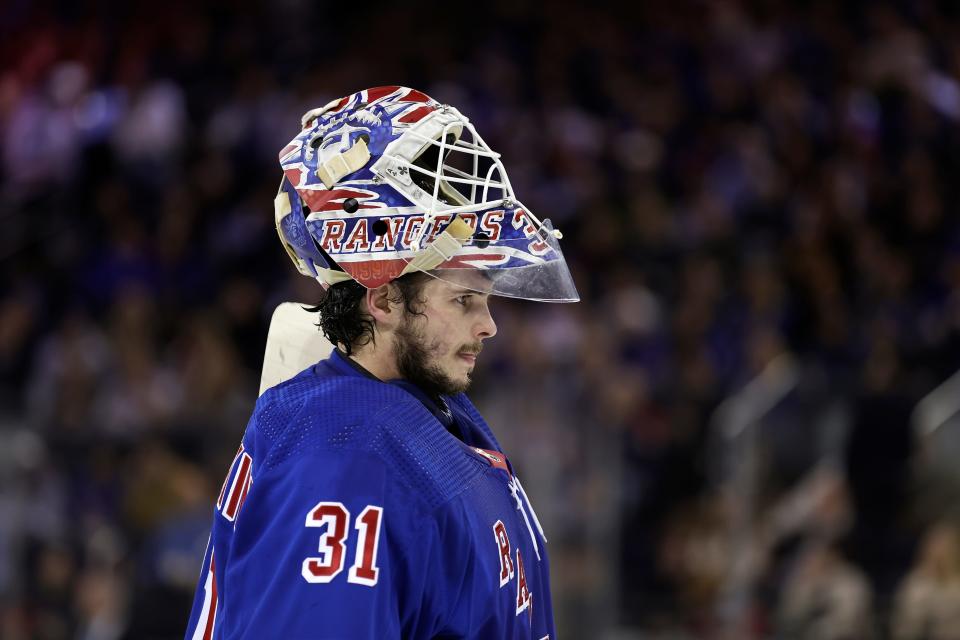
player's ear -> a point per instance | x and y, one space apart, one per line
379 305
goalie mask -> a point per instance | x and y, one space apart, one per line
388 181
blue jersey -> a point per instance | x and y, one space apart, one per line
353 511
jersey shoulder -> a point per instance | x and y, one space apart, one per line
337 416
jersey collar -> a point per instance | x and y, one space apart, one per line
437 406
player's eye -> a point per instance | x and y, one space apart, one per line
462 300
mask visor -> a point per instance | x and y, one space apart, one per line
531 267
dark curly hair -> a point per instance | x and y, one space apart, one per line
343 320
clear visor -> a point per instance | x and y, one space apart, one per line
512 268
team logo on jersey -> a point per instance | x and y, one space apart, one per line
512 569
510 559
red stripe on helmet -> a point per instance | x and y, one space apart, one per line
416 96
417 114
331 200
379 92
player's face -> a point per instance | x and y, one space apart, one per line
437 349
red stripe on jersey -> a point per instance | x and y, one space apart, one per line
239 483
212 612
223 487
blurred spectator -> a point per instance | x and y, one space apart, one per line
68 372
825 598
927 603
696 558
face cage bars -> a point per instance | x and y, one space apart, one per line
477 149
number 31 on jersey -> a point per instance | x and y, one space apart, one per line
335 517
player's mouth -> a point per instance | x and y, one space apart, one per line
470 355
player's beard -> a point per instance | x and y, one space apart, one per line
414 356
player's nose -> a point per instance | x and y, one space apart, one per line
485 327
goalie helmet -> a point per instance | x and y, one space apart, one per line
388 181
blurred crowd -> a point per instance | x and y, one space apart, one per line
739 184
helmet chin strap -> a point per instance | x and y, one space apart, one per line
444 246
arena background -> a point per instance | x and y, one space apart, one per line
735 434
